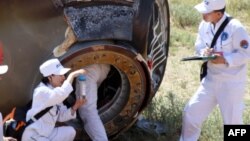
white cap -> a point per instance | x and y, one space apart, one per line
208 6
3 69
53 66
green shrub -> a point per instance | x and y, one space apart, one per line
238 6
181 38
184 15
167 109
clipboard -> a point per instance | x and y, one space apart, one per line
198 58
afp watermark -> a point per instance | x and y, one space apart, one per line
239 132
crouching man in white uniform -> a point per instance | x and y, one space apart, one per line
52 91
89 114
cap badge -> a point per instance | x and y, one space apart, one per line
206 2
58 65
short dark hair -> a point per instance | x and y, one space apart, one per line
221 10
45 80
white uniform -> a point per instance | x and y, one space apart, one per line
224 84
44 128
89 114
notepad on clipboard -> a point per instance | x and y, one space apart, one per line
198 58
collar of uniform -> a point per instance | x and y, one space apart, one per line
50 86
217 25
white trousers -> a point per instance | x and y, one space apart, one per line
62 133
88 112
227 95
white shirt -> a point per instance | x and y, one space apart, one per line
233 42
46 96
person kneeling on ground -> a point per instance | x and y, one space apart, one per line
52 91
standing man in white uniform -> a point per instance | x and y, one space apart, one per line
3 70
226 77
89 113
52 91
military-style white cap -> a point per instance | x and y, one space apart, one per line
3 69
53 66
208 6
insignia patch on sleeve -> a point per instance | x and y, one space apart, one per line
244 44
